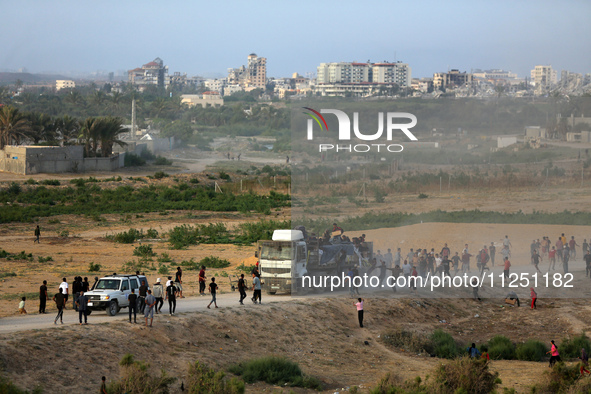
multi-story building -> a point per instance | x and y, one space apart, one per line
251 76
543 77
64 84
215 85
153 73
452 79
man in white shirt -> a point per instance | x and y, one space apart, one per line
64 287
438 261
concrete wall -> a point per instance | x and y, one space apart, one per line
503 142
53 159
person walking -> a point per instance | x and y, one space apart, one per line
143 292
554 355
158 293
534 297
37 234
178 280
359 305
150 301
587 259
60 303
171 297
492 250
132 306
256 287
242 289
213 290
535 258
473 352
43 297
507 267
202 278
565 258
475 289
81 303
21 306
552 258
64 287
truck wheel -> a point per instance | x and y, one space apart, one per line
113 308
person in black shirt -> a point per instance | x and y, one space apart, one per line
43 297
60 303
37 234
85 285
82 307
242 289
76 291
133 306
212 289
171 297
178 278
587 259
142 296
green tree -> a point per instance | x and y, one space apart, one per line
14 126
109 129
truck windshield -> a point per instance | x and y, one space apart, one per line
276 252
107 284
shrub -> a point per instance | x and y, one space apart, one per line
559 379
202 380
160 175
224 176
136 378
126 237
50 182
531 350
133 160
63 234
163 269
164 258
22 255
408 340
31 181
501 348
162 161
274 370
144 251
44 259
464 375
214 262
92 267
245 268
444 346
571 347
152 233
423 195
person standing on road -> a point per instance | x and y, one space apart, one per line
76 291
158 292
60 303
507 243
143 292
535 258
171 297
132 305
150 301
507 267
587 259
202 278
85 285
492 249
43 297
81 303
242 289
178 279
256 287
552 258
359 305
572 244
554 355
37 234
213 290
64 287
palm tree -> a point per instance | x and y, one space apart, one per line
89 134
68 128
42 127
13 126
109 129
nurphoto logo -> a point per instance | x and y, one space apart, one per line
392 121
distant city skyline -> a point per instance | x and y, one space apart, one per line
207 38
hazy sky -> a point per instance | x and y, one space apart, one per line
208 37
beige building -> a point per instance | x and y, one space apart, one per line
207 99
351 72
543 77
64 84
152 73
253 75
452 79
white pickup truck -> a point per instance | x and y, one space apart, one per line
110 292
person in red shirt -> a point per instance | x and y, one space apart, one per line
507 266
571 247
552 257
202 281
534 297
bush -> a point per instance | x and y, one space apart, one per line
274 370
92 267
126 237
133 160
163 269
531 350
31 181
214 262
423 195
444 346
162 161
408 340
202 380
164 258
224 176
501 348
571 347
160 175
50 182
559 379
464 375
136 378
246 268
63 234
144 251
44 259
152 233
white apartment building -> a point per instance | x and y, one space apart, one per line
351 72
216 85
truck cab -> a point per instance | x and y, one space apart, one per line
111 292
282 260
